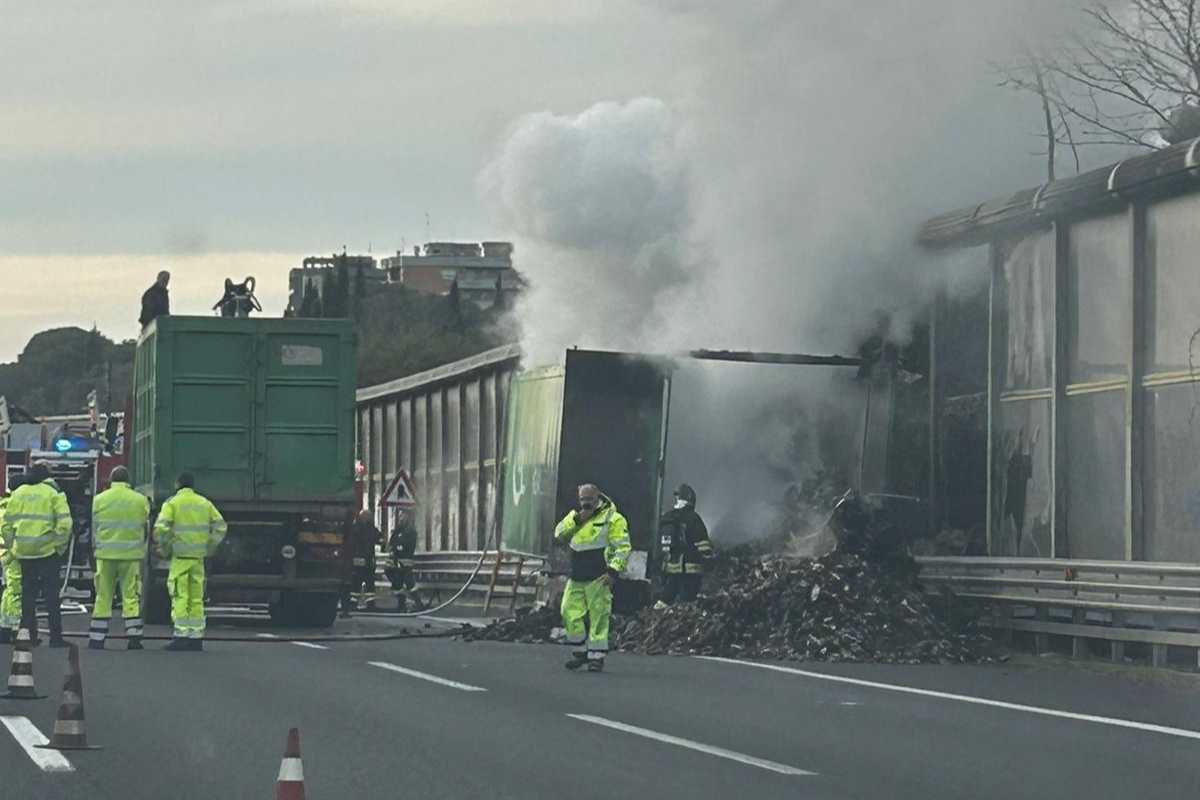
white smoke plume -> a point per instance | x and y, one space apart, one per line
772 203
600 200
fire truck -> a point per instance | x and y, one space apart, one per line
80 461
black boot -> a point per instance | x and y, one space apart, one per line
577 661
95 644
596 665
197 645
135 643
178 645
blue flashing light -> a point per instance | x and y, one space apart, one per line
63 445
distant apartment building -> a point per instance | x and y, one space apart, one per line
316 269
480 269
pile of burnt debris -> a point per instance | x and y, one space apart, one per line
859 602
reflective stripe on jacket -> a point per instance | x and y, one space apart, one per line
607 530
37 521
119 523
189 526
4 554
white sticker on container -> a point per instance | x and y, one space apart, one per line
301 355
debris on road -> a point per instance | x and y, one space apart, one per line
530 626
839 607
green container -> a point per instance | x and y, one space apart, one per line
260 410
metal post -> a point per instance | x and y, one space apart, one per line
992 388
936 400
862 455
1060 542
1135 541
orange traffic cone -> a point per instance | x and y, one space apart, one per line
69 733
290 784
20 677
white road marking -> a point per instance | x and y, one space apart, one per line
266 636
312 645
427 677
849 703
979 701
29 737
773 766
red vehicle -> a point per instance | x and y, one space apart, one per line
81 471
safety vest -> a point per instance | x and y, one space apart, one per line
606 530
37 522
189 526
119 523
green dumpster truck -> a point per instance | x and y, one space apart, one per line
261 411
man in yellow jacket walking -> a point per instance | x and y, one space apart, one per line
188 530
598 536
119 516
37 528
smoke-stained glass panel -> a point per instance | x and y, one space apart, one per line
1095 476
1022 488
1028 267
1172 487
1173 253
1100 275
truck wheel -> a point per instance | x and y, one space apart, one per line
319 610
158 604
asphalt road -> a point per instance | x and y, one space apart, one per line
447 719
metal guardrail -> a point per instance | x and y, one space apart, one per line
1114 602
514 577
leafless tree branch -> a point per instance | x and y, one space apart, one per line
1128 76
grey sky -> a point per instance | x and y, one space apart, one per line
228 130
229 138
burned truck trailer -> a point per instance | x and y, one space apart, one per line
496 452
261 412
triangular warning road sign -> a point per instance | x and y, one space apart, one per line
399 493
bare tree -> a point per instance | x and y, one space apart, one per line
1130 76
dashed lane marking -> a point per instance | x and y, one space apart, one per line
29 737
966 698
720 752
412 673
311 645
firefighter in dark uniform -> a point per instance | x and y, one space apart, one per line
402 546
686 547
364 539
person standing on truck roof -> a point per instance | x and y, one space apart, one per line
598 536
189 529
365 537
688 548
119 516
10 601
37 527
156 302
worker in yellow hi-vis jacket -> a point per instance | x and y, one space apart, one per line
598 536
119 516
10 601
188 530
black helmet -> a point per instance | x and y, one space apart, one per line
686 493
